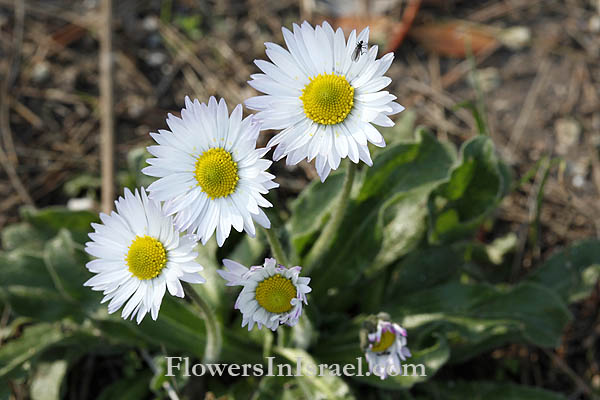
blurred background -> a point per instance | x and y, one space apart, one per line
533 66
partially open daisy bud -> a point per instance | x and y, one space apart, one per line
272 294
212 176
323 97
384 344
140 255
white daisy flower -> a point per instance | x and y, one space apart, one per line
387 347
212 176
272 294
140 254
324 101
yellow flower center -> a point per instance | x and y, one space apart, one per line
387 339
327 99
216 173
275 294
146 257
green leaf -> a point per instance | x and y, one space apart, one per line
458 207
34 340
459 390
214 287
47 380
303 333
328 386
403 225
424 269
160 377
178 328
22 268
407 166
22 235
82 183
5 392
265 387
30 289
51 287
402 131
13 328
401 175
572 272
40 304
476 317
66 265
249 250
311 210
52 219
238 349
133 176
137 387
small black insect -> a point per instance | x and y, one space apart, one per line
360 49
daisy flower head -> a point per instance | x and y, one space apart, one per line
212 176
386 348
272 294
139 255
323 97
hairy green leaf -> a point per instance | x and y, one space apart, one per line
476 316
402 175
572 272
47 380
52 219
312 208
31 343
475 188
454 390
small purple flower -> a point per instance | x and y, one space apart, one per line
272 294
386 348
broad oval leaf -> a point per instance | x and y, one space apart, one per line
402 175
475 188
571 272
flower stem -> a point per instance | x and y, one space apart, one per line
337 215
276 248
213 331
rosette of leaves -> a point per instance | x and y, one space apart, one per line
407 246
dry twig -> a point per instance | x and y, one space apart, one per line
564 367
8 155
538 84
106 107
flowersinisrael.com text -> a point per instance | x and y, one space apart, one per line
183 366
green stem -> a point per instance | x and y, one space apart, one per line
276 248
324 240
267 343
213 332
